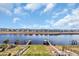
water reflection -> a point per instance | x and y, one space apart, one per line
38 39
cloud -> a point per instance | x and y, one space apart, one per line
50 22
32 6
59 13
75 12
16 19
23 26
4 10
69 21
71 4
63 22
62 12
35 26
48 7
8 6
18 10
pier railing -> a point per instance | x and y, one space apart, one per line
21 51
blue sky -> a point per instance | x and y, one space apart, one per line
39 15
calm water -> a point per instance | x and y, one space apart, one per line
55 39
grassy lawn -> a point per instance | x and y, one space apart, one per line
37 50
59 47
12 50
73 48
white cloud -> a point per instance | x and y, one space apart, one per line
35 26
4 10
50 22
23 26
8 6
62 12
48 7
63 21
53 23
32 6
75 12
69 20
71 4
18 10
16 19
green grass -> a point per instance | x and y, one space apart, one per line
3 45
12 50
37 50
73 48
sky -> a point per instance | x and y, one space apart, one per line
39 15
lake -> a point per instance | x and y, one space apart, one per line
54 39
